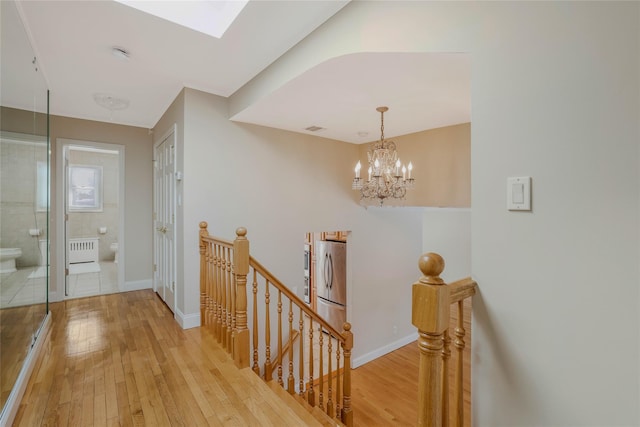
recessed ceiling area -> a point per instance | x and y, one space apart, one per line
422 91
145 60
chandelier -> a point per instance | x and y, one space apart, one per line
387 176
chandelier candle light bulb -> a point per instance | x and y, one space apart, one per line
384 166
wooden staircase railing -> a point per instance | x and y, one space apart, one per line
239 326
431 302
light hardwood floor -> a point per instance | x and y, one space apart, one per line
385 391
122 359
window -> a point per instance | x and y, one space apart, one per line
85 188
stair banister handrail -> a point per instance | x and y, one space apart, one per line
224 266
280 286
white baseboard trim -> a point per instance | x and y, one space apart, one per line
13 402
187 321
372 355
137 285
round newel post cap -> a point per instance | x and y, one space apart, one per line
241 232
346 326
431 265
204 225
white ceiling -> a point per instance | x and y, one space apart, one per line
73 41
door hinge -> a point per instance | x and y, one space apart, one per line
173 218
66 217
66 271
155 216
155 267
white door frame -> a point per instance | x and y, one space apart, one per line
172 130
61 240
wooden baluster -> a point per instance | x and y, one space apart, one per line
256 367
209 297
291 386
268 369
329 379
347 345
203 272
213 294
459 388
211 306
240 270
446 355
301 356
280 338
218 304
230 301
430 314
208 281
338 379
223 299
321 368
311 395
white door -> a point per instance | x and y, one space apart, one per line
164 220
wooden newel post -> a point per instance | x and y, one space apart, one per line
203 273
241 269
347 412
430 314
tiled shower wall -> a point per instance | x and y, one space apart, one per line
18 211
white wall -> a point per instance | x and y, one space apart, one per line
555 95
447 231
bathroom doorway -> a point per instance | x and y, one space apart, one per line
92 176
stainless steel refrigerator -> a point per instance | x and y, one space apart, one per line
331 282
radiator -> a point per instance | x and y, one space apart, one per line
83 250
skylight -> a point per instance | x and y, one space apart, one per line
212 17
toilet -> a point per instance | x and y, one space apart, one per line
114 248
8 259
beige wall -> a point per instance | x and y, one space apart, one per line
441 161
138 189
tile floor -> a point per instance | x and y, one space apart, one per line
28 285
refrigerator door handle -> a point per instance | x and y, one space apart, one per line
325 270
330 272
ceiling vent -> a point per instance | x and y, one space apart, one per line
314 128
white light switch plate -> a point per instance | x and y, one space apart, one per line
519 193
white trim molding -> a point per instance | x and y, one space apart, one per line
137 285
187 321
